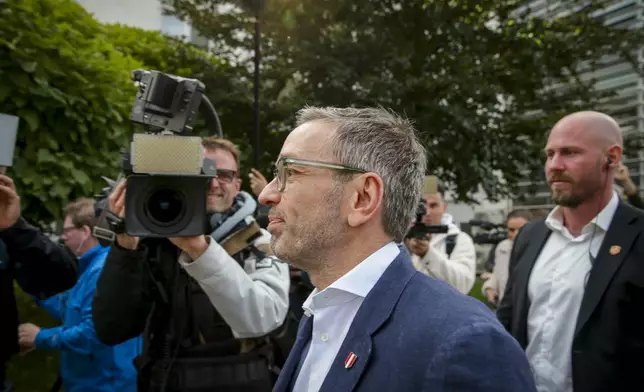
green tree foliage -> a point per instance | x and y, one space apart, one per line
70 88
67 77
475 76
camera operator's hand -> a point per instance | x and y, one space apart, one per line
193 246
116 204
492 296
9 203
257 181
486 275
27 336
418 246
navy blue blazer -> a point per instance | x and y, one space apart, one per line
415 333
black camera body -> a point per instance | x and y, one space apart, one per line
489 234
166 102
167 176
420 230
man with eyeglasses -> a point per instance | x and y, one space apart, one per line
86 365
347 184
209 315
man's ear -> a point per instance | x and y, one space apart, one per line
614 155
366 199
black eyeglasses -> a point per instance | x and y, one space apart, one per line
67 230
281 174
226 176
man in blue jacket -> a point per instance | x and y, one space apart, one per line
85 364
346 188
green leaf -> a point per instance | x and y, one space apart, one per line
5 91
29 66
44 156
60 190
31 117
288 19
80 177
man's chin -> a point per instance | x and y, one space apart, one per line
216 207
569 201
277 246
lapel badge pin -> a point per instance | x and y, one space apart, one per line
351 359
615 249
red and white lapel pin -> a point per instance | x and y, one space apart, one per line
351 359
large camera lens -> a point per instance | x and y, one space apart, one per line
165 206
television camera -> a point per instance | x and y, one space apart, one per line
167 174
488 233
420 230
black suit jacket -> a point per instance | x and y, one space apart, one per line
8 311
608 346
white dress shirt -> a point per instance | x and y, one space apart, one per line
500 274
333 310
556 289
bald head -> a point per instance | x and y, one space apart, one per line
582 150
602 130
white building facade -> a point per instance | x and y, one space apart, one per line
145 14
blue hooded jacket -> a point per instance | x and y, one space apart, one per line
86 364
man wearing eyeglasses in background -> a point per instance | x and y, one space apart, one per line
86 365
209 328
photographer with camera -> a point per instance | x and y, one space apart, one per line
206 305
494 286
41 267
449 255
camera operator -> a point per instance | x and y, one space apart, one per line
205 316
494 286
451 256
41 267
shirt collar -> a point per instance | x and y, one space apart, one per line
602 220
86 259
356 283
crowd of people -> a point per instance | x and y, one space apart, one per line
324 290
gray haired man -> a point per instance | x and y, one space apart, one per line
346 186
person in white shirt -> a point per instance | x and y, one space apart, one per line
451 256
494 287
346 186
575 295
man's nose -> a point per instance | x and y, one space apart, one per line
270 195
555 163
214 184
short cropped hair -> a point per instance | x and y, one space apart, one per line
525 214
382 142
81 212
214 143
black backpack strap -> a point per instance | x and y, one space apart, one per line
450 243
